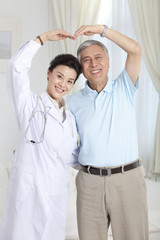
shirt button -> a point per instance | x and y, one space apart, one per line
54 154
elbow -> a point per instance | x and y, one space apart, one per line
137 49
10 64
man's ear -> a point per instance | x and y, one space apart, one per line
108 61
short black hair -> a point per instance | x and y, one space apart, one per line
68 60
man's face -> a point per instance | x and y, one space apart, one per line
95 65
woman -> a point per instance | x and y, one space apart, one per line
36 205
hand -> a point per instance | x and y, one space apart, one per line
55 35
89 30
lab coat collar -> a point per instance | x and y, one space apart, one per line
49 102
51 109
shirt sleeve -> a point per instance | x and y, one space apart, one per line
73 160
127 87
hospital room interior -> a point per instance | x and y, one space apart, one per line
23 20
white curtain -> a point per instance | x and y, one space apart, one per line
146 18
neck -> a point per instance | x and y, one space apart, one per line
59 101
97 86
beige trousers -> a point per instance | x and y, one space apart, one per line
119 199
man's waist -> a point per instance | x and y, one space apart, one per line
107 171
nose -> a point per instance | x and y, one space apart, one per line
62 83
92 62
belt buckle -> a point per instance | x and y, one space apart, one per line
109 172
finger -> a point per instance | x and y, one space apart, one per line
65 33
84 31
64 36
80 31
69 36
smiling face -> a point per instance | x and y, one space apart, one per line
60 81
95 66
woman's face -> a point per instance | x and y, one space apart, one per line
60 81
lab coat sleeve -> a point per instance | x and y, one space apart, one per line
73 162
17 76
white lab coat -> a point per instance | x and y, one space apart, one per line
36 204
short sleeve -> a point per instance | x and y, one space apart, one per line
126 85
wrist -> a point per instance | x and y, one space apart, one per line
42 38
103 33
38 39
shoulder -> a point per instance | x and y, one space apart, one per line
123 80
74 98
76 95
124 86
123 75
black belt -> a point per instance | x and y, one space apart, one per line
110 171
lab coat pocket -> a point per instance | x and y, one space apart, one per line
21 183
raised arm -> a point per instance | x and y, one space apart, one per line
19 65
54 35
130 46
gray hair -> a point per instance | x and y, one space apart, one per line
89 43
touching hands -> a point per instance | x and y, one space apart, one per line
60 34
89 30
55 35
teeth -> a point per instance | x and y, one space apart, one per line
60 90
96 71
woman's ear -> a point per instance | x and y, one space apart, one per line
48 74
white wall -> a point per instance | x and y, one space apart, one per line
33 17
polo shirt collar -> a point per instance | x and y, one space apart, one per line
108 88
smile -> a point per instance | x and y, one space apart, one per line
95 71
59 90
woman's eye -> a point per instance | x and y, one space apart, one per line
70 82
59 76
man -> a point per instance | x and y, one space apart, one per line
110 185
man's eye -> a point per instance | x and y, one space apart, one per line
86 60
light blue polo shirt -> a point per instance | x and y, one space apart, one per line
106 123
